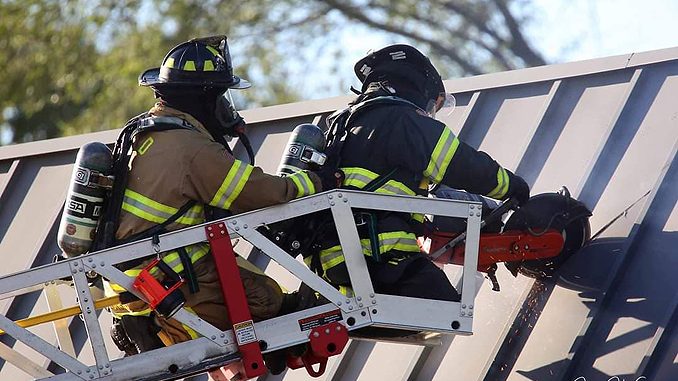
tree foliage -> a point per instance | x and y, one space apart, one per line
71 66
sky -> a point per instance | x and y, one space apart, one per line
562 30
575 30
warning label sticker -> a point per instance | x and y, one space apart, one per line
317 320
244 332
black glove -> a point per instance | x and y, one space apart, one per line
518 189
330 177
229 119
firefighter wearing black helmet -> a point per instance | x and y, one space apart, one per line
390 143
180 168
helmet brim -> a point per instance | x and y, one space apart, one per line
151 78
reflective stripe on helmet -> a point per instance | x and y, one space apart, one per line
189 66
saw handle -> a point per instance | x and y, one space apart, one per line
496 214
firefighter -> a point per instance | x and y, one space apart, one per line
389 142
180 168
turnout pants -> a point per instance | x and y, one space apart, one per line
415 276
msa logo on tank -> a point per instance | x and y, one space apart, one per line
77 206
303 150
294 150
81 176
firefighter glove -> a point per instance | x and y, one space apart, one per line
330 178
518 189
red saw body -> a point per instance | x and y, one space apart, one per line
537 238
495 247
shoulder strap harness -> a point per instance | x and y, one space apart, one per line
121 157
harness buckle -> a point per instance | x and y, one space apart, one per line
360 219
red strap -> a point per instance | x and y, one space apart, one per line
235 300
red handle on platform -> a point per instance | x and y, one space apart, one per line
235 300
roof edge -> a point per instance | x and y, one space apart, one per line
559 70
320 106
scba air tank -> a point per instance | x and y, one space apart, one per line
85 200
304 150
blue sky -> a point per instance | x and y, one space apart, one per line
562 30
575 30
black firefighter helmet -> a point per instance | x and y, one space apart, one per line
200 62
407 70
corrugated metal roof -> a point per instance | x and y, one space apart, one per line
606 128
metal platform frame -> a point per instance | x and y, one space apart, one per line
216 347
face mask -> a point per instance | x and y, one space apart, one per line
444 104
227 116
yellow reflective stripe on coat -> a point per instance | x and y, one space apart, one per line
502 185
156 212
346 291
172 259
360 177
232 185
400 240
442 156
357 177
303 183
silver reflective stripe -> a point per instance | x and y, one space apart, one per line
145 208
195 212
392 189
231 186
303 183
394 243
359 177
440 158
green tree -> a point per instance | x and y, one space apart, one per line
71 66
